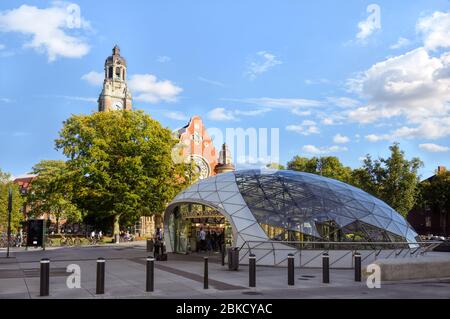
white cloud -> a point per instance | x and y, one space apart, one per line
212 82
147 88
176 115
376 138
54 30
306 128
5 100
93 78
344 102
252 112
340 139
327 121
300 112
79 98
283 103
266 61
163 59
316 82
315 150
221 114
401 43
414 85
435 30
434 148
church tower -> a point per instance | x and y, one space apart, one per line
115 94
225 161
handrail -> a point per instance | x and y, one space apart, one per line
421 247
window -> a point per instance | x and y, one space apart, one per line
118 72
110 72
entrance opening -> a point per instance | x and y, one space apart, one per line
186 223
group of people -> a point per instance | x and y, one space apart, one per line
96 235
210 240
126 236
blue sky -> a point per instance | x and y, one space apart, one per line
337 78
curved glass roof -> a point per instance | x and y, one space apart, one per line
320 207
288 205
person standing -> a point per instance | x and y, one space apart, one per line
202 236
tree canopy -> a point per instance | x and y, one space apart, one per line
120 163
394 179
16 213
51 192
435 192
328 166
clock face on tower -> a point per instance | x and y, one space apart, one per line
117 106
201 167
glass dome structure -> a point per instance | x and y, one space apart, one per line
272 205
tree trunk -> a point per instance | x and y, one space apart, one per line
57 224
116 228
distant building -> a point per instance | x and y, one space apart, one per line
427 220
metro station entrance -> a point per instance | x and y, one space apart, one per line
186 222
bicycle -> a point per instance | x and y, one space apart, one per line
93 241
70 241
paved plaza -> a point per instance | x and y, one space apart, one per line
182 277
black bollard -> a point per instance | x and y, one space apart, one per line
326 268
252 271
205 276
100 289
222 247
150 245
291 270
150 274
357 267
45 277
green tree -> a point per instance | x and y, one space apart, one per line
328 166
16 213
435 193
275 166
51 192
120 163
394 179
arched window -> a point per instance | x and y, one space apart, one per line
118 72
110 72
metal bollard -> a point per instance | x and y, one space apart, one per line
150 282
205 275
252 271
291 270
45 277
357 267
100 289
326 268
223 254
150 245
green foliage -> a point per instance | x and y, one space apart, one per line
328 166
51 192
435 192
16 214
276 166
120 164
394 179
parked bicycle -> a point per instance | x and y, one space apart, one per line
70 241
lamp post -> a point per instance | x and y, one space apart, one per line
9 220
